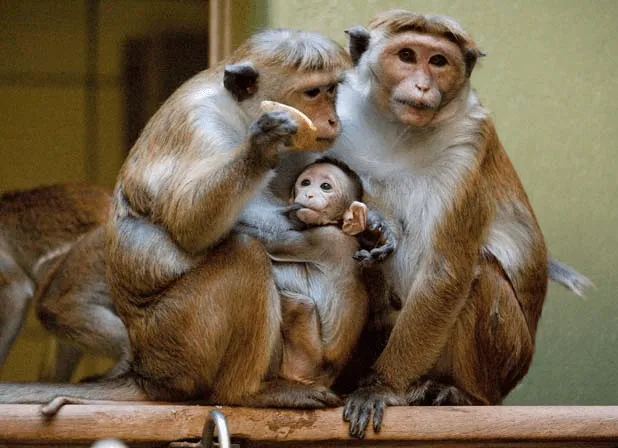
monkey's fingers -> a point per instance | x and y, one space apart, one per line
359 408
306 137
271 129
378 415
359 418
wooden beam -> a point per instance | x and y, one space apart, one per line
150 423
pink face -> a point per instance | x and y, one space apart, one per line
420 73
323 188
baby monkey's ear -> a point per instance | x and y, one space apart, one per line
355 219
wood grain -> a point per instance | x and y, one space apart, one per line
153 424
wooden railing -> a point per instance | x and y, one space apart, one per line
159 424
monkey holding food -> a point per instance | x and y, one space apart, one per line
201 327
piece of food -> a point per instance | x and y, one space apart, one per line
306 136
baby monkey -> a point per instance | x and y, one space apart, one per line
318 271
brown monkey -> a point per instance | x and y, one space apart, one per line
471 266
200 326
38 227
173 260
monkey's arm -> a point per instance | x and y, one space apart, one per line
314 245
268 216
198 195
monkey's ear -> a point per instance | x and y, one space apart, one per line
240 80
472 55
359 42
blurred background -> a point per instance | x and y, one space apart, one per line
79 79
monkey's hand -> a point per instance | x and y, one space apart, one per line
378 240
269 132
307 134
371 398
291 212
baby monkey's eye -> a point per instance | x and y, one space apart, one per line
326 186
312 93
305 182
331 89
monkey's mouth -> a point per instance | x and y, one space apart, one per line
415 104
329 140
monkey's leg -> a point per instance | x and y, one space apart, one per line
280 393
60 362
16 291
210 335
76 304
491 346
215 334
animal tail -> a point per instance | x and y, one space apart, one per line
568 277
56 395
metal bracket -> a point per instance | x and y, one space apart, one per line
217 420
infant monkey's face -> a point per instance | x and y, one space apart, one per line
325 189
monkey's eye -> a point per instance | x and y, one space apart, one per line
331 89
407 55
312 93
326 186
305 183
438 60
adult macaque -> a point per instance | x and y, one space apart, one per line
38 227
198 299
471 266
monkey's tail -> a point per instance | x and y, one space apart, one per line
568 277
56 395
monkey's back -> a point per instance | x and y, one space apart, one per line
36 221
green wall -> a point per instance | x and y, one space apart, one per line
551 82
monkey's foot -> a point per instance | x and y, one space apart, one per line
430 392
287 394
369 399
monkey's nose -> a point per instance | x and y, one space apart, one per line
332 129
423 87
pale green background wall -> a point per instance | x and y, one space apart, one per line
551 82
